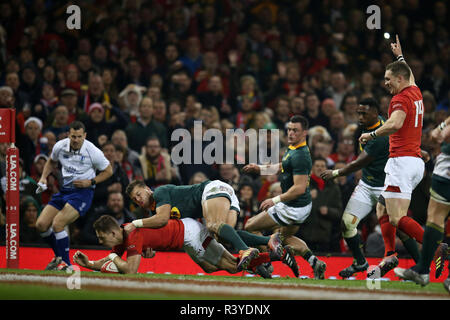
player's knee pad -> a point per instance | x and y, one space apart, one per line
349 225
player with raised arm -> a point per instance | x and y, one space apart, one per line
79 159
405 167
438 209
290 209
372 160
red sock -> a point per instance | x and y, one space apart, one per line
388 232
411 228
262 258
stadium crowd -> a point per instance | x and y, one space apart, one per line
138 70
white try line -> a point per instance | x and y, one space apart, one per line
219 289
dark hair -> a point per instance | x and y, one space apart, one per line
320 159
134 184
399 68
108 143
105 223
371 102
77 125
300 119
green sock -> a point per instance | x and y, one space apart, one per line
354 244
252 239
410 245
229 234
432 237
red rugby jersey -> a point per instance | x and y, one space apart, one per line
169 237
406 141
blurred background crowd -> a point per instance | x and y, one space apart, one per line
139 69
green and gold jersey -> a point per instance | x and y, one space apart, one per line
296 161
378 148
186 201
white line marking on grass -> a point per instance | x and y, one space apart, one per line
263 292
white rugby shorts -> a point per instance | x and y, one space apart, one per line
285 215
363 200
200 244
217 188
403 174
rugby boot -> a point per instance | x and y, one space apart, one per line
52 265
410 274
319 268
276 247
288 259
387 264
439 258
263 271
354 268
245 256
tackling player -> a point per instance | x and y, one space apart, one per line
213 200
293 206
79 159
404 168
438 209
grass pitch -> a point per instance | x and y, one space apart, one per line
41 285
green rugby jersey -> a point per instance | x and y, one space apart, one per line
296 161
186 201
378 148
445 148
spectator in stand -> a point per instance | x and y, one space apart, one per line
155 164
345 151
337 125
282 112
21 97
97 125
338 87
30 144
198 177
313 113
328 107
247 203
214 95
119 138
144 127
115 207
349 106
321 229
69 98
160 112
70 79
115 183
192 59
133 75
46 104
30 83
129 100
228 173
297 105
60 122
96 93
244 117
29 211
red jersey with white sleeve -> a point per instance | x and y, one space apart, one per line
169 237
406 141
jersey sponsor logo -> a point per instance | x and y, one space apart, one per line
393 189
223 188
131 247
175 213
70 169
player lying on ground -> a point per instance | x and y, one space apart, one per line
213 200
438 209
187 234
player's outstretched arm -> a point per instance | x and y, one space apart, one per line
156 221
442 132
392 125
362 161
397 51
81 259
264 169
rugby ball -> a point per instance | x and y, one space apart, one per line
109 267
